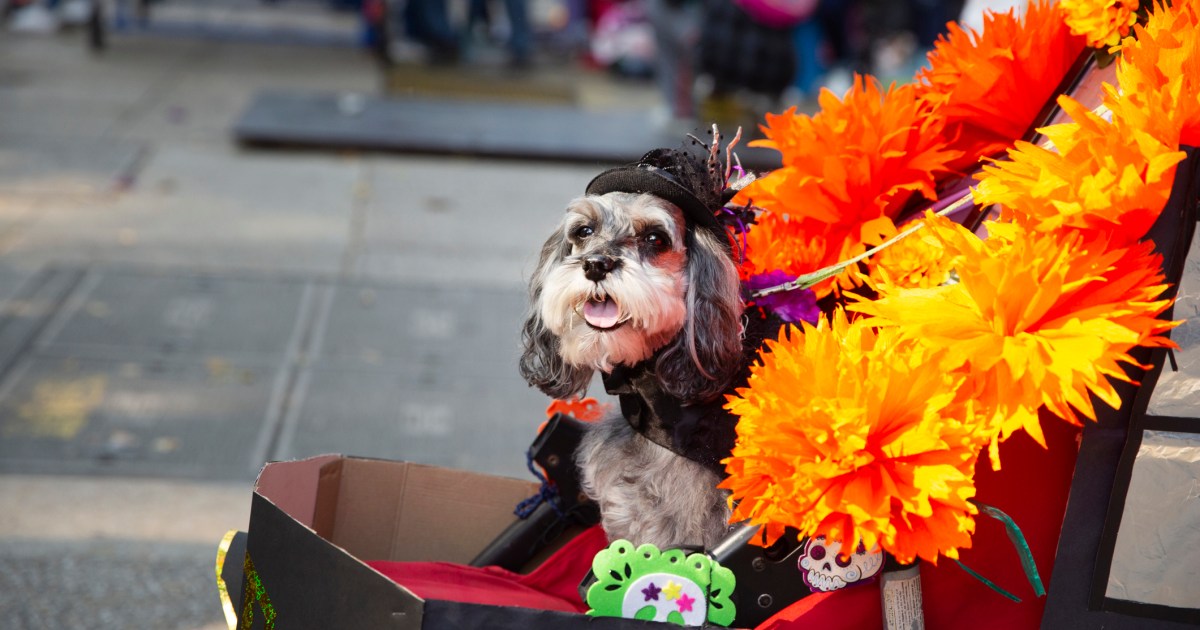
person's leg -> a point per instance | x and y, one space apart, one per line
428 23
520 41
676 34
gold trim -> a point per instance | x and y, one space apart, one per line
222 588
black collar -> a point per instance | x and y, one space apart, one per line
703 432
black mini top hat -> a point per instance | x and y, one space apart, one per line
690 181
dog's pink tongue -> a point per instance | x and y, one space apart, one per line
601 314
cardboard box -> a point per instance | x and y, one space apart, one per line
315 522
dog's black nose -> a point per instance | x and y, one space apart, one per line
596 267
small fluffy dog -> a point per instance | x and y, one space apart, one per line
639 283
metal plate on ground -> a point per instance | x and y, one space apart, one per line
145 316
403 412
163 418
543 132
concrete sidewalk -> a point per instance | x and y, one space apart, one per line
176 311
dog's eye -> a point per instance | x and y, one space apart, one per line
583 231
657 240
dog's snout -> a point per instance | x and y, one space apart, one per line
597 266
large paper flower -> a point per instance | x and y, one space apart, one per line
1110 178
847 433
1102 22
860 158
1159 76
990 86
1037 318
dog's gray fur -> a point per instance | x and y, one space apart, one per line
683 304
646 493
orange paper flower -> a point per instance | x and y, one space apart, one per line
990 86
1159 76
1102 22
1037 318
860 158
846 433
1105 177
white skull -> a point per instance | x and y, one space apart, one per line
824 568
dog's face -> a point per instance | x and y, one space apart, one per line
621 278
619 292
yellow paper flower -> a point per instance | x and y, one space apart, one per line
1105 177
1036 319
845 432
1102 22
1159 76
919 260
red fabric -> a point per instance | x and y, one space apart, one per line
1032 488
552 586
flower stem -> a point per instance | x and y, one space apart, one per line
810 280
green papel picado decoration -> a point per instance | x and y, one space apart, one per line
671 586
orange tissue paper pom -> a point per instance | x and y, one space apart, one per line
991 85
1036 319
1159 76
1101 176
859 158
862 157
845 432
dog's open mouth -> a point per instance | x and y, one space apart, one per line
602 314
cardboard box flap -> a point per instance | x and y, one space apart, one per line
459 513
402 511
292 485
301 581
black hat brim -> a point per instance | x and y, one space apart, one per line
647 179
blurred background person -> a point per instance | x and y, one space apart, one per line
676 26
747 59
516 30
428 22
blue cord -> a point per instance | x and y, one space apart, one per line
547 493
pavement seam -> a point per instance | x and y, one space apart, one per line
284 378
298 395
29 290
304 344
157 90
66 309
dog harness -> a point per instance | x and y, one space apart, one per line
703 432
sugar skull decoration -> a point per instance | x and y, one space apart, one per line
825 568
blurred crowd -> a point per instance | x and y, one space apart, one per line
722 60
732 60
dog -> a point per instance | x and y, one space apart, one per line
639 283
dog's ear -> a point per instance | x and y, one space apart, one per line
703 359
541 364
